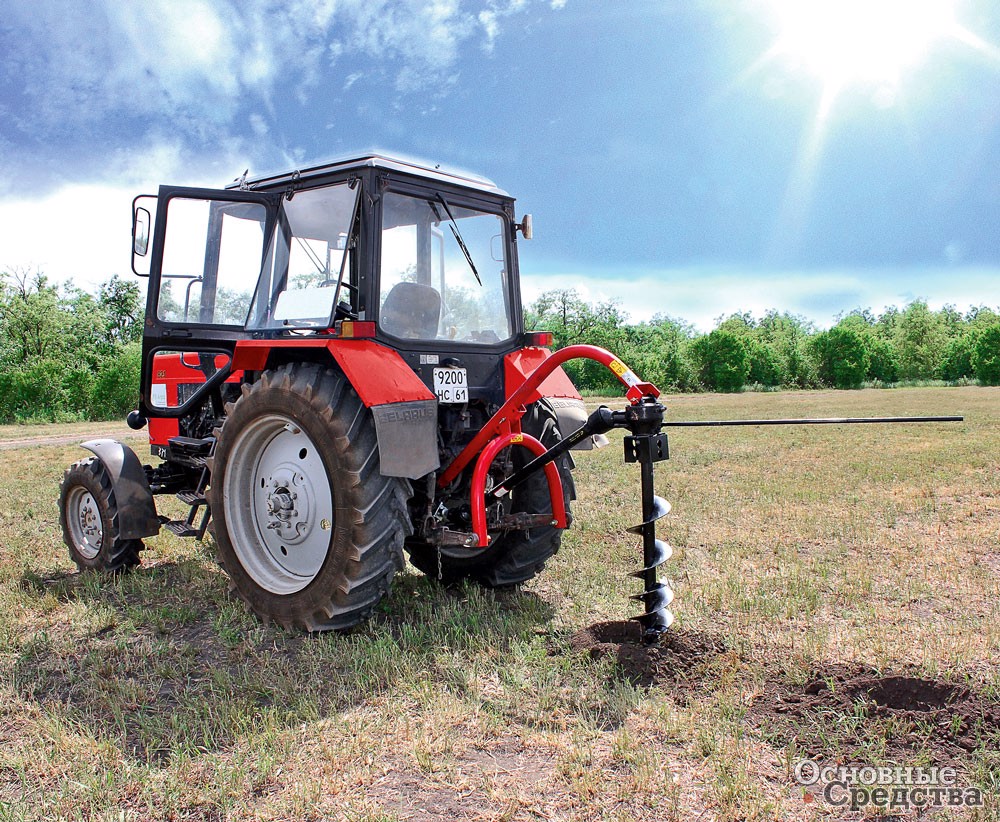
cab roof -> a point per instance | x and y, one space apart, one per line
373 160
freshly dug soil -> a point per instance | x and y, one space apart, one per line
681 655
850 711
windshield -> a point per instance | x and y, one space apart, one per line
309 262
443 278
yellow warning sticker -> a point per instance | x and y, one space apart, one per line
517 438
626 375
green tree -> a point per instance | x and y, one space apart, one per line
116 384
120 302
956 361
919 341
723 359
658 352
788 336
842 354
883 361
986 354
572 320
57 347
33 323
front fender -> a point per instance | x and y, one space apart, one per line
136 511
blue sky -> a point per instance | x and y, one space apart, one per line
686 157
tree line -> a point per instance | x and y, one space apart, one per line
67 354
778 350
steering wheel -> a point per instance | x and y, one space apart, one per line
344 312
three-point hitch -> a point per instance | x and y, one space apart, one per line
646 444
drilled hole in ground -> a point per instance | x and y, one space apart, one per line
902 693
845 712
681 655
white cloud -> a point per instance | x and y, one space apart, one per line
259 125
488 20
191 64
80 234
700 295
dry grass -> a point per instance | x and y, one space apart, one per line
157 696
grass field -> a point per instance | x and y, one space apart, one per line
807 562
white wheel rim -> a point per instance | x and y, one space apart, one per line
278 504
84 520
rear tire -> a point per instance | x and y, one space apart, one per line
306 526
515 556
88 514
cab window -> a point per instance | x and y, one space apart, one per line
443 271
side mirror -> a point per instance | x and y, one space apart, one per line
140 232
525 227
142 223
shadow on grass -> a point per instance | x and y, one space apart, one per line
164 662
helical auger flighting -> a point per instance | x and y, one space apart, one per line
647 445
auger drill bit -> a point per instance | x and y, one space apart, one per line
648 445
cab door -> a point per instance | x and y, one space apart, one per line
207 252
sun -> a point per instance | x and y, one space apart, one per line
850 42
871 46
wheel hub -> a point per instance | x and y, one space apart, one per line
85 523
282 530
288 500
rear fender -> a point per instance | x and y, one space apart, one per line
136 509
404 409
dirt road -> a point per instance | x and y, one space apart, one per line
12 437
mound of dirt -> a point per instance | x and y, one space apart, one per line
849 711
681 656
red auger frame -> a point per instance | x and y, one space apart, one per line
646 445
504 429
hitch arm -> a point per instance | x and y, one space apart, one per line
600 422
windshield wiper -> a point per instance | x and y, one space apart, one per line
458 236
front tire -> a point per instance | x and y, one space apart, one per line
88 514
306 526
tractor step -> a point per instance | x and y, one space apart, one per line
192 446
181 527
190 450
192 498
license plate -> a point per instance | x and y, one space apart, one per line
451 385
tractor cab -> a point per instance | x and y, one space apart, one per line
421 260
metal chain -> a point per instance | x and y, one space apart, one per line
440 569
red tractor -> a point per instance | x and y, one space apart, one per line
335 372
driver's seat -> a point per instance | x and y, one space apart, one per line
411 311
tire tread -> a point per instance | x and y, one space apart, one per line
372 515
